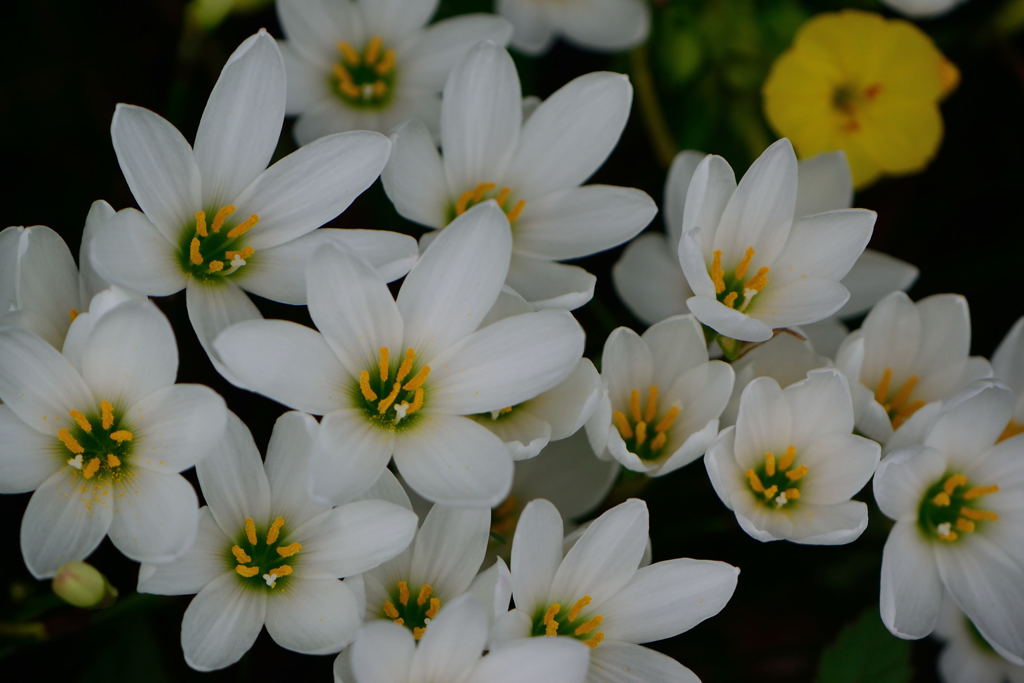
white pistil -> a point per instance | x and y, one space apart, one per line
76 461
781 499
400 410
271 579
943 529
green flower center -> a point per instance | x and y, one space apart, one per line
949 509
481 193
555 620
367 80
416 614
776 483
215 251
97 445
644 428
735 289
393 397
263 564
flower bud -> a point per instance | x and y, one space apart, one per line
82 585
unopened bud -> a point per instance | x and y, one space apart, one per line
82 585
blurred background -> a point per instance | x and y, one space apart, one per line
67 64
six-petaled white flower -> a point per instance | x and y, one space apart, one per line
604 25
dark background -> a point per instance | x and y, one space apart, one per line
67 63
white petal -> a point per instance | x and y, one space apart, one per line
828 524
313 616
522 432
454 461
824 184
570 134
453 642
176 426
159 167
27 457
414 177
579 221
891 337
668 598
839 466
441 45
903 477
396 18
536 553
546 284
973 424
44 282
350 455
221 623
155 516
825 245
534 32
534 659
607 25
493 588
382 653
314 28
188 574
1008 359
569 405
242 120
712 185
819 406
911 592
306 84
802 301
354 538
233 481
130 251
626 365
311 185
628 663
873 276
568 474
289 467
764 422
648 279
676 344
505 363
677 182
727 321
288 362
450 547
64 521
130 354
213 309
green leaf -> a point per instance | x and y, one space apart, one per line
866 652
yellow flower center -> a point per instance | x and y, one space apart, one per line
210 251
482 193
264 562
364 80
776 483
850 101
392 397
416 614
554 620
734 289
898 404
99 445
644 428
948 510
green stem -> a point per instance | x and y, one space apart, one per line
650 108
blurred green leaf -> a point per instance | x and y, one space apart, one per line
865 651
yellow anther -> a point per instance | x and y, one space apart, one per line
201 223
193 252
221 216
906 412
390 610
979 491
383 364
792 494
435 607
349 53
91 468
247 572
755 481
289 550
658 442
243 253
978 515
786 461
641 433
953 482
400 621
283 570
341 73
349 88
72 314
595 640
80 420
730 299
588 626
797 474
882 390
372 50
386 402
941 499
516 211
425 591
462 203
113 461
418 632
216 266
964 524
759 281
379 89
417 381
550 625
106 414
387 63
770 492
951 536
578 607
621 423
904 392
70 442
403 592
481 190
769 463
503 196
241 556
406 367
275 530
417 402
506 507
668 420
1012 429
121 435
651 410
741 269
364 386
634 405
250 531
243 227
717 272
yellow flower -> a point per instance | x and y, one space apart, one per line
864 84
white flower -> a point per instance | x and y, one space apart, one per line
967 657
401 377
41 289
605 25
1008 366
100 434
216 221
532 169
922 9
662 397
906 356
372 64
790 465
450 652
267 554
959 526
598 593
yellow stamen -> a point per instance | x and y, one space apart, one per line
481 190
106 414
906 412
634 405
406 367
113 461
341 73
364 386
659 441
641 433
90 469
216 266
386 402
70 442
979 491
372 50
289 550
243 227
379 89
717 272
349 53
978 515
387 63
668 420
741 269
283 570
652 404
72 314
240 555
79 418
770 492
462 202
953 482
797 474
400 622
121 435
201 223
516 210
964 524
193 252
792 494
244 253
425 591
882 390
417 381
578 607
250 531
759 281
595 640
390 610
383 364
221 216
503 196
550 625
274 531
349 89
769 463
730 299
755 481
621 423
247 572
786 461
904 392
1012 430
403 592
418 631
951 536
588 626
435 607
941 499
417 402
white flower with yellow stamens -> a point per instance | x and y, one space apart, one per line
216 221
1008 366
956 502
268 555
532 169
100 433
372 64
603 25
753 263
598 593
402 377
790 465
662 397
906 356
967 657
